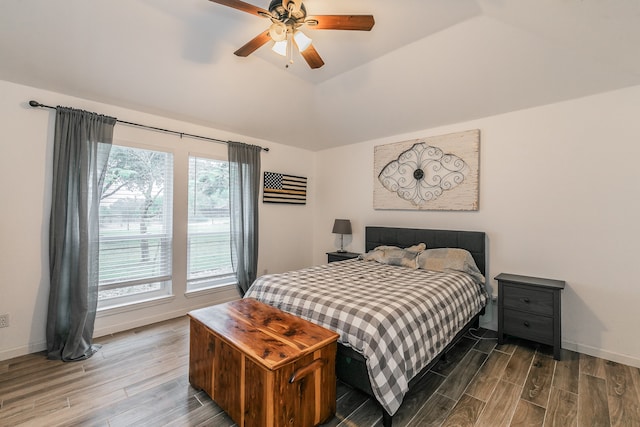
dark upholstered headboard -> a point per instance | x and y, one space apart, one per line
473 241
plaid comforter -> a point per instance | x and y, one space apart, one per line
397 317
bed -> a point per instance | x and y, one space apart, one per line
395 319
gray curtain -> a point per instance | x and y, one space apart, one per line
244 189
82 143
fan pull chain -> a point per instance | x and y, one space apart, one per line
290 46
289 49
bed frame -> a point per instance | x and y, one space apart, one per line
350 365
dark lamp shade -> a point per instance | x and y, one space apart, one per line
342 226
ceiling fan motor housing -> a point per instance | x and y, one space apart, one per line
286 10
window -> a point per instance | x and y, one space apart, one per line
135 227
208 240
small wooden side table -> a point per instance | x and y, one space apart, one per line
530 308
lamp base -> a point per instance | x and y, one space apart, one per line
341 251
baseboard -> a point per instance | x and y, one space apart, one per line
21 351
125 326
111 329
602 354
589 350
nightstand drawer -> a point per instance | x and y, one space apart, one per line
335 258
527 299
341 256
528 326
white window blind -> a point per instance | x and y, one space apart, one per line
208 247
136 226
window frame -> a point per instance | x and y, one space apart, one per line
210 283
133 301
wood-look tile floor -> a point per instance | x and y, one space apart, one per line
140 378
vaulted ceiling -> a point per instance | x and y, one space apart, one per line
425 63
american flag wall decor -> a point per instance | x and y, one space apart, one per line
281 188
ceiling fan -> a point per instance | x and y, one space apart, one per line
287 17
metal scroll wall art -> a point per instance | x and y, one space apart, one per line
434 173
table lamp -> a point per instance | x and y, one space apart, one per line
342 227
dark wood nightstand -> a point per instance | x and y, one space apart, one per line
530 308
340 256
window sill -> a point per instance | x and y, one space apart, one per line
212 290
123 308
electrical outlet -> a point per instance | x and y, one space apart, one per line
4 320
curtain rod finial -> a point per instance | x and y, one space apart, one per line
34 103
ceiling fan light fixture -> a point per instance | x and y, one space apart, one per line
302 40
280 47
278 31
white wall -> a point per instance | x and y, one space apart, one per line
559 198
25 185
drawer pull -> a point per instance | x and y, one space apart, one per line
306 370
526 323
525 300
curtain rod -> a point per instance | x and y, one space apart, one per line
35 104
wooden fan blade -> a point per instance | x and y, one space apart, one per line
255 43
312 57
245 7
341 22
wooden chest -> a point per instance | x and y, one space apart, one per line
264 367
